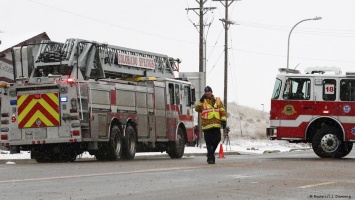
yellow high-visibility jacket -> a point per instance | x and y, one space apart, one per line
212 113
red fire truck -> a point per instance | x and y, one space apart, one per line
86 96
317 107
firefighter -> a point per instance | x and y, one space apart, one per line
213 117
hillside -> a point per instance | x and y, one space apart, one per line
247 122
248 129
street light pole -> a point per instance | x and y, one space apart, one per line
289 35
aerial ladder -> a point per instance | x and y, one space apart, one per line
100 60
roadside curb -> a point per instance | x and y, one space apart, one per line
295 149
32 161
301 149
17 161
271 151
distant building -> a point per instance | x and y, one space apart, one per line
7 42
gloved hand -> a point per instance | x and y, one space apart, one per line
224 124
203 98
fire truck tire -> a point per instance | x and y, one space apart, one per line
115 144
100 156
42 159
40 156
348 146
176 149
129 144
68 156
326 143
111 150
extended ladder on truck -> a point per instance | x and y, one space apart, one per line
99 60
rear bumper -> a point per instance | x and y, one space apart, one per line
44 141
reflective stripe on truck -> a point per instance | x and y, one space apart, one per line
38 110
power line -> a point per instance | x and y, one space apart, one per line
111 24
323 32
304 58
215 63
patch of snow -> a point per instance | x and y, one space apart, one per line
247 136
243 146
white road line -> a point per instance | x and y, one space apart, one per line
315 185
103 174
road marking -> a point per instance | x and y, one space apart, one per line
315 185
239 176
103 174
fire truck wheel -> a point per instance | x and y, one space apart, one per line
111 150
40 156
43 160
70 156
115 144
348 146
326 143
176 149
129 144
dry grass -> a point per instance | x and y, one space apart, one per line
247 122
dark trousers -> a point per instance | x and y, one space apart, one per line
212 138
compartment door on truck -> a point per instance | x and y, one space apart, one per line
160 98
326 101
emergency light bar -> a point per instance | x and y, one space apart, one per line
322 70
350 74
291 71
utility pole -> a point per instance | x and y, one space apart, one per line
201 11
202 42
226 24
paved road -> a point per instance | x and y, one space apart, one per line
292 175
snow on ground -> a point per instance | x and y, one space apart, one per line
247 134
242 146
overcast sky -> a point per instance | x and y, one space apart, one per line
258 41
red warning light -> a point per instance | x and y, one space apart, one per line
37 96
71 80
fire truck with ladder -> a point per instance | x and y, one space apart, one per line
317 107
107 100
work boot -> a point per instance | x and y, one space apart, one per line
210 162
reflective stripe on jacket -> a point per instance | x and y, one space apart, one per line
211 116
209 111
